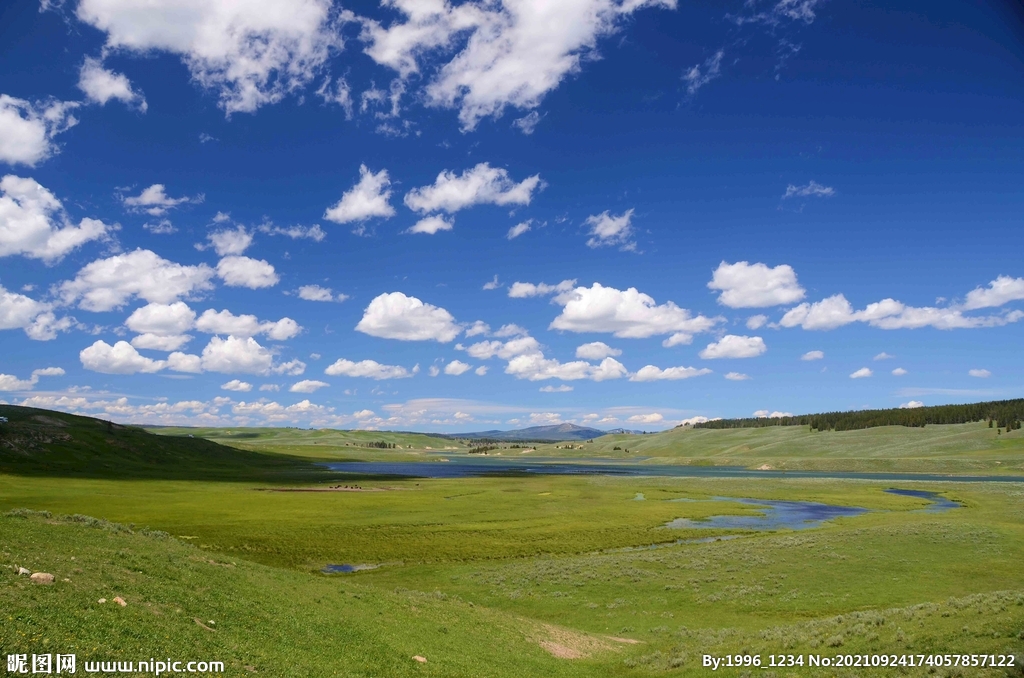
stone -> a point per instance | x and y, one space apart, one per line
421 660
23 571
102 600
42 578
120 601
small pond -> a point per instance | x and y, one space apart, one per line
347 569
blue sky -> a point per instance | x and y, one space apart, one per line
431 216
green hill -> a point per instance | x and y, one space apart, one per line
45 443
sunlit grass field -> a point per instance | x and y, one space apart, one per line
532 576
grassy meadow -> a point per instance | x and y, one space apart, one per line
532 576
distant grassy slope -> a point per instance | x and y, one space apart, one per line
46 443
325 444
953 448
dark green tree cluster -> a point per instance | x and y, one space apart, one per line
381 445
483 448
1004 414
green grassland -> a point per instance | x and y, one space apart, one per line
532 576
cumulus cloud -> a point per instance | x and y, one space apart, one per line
562 388
230 241
27 129
535 367
480 185
397 316
9 382
861 373
110 283
432 224
981 374
121 358
652 373
480 371
227 323
737 376
162 319
701 74
813 189
238 271
756 322
314 232
308 386
492 284
519 229
292 368
36 318
596 350
883 356
509 54
626 313
521 290
746 285
236 355
155 201
651 418
251 52
184 362
157 342
33 222
162 227
733 346
527 123
911 405
813 355
457 367
606 230
317 293
765 414
370 369
368 199
899 372
237 385
100 85
1002 290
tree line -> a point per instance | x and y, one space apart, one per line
1002 414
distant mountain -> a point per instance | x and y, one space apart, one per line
540 433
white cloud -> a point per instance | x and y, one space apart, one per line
485 350
27 129
162 319
480 371
899 372
608 230
292 368
981 374
861 373
270 387
433 370
432 224
227 323
695 420
477 328
236 355
737 376
887 314
237 385
652 418
509 54
521 290
370 369
308 386
101 85
702 74
813 189
33 222
121 358
106 284
317 293
162 227
528 122
563 388
911 405
625 313
155 201
184 362
756 322
314 232
397 316
480 185
761 414
1002 290
652 373
519 229
340 93
733 346
535 367
9 382
160 342
457 367
369 198
493 284
813 355
746 285
238 271
511 330
883 356
230 241
18 311
596 350
251 52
